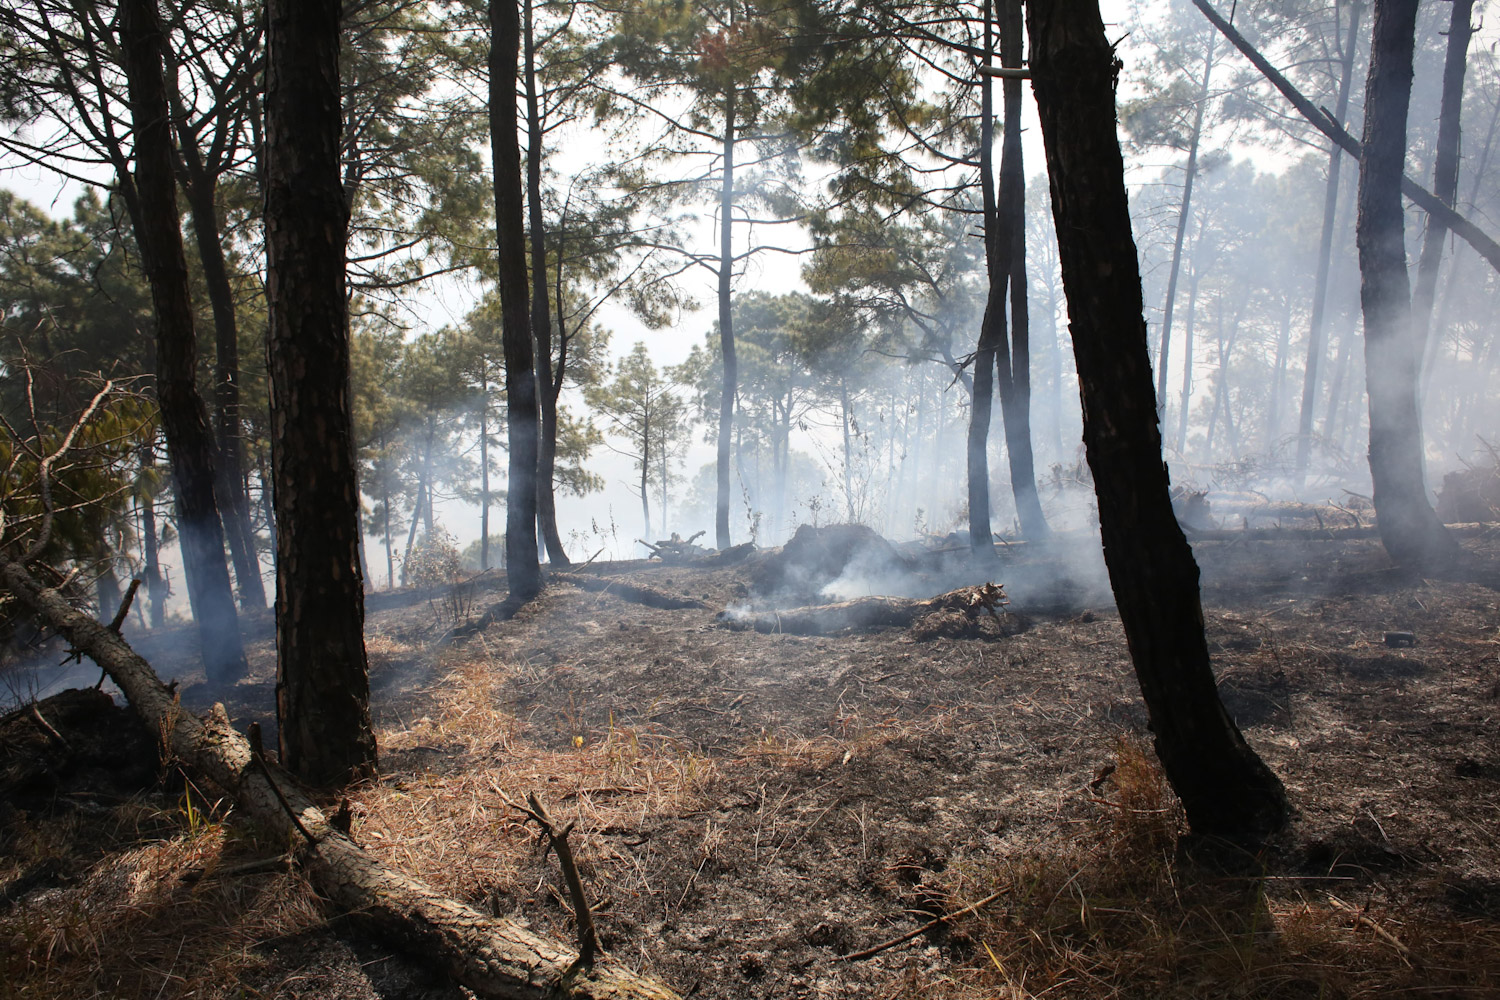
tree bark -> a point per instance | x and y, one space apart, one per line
541 321
1409 526
156 588
495 958
322 674
484 466
522 568
229 484
1315 339
992 339
1224 787
1444 170
190 446
730 384
1190 334
1456 270
1015 366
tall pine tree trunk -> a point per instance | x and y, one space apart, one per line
1408 525
1224 787
190 445
484 466
992 339
1444 171
541 314
522 570
1014 367
730 382
1315 337
1185 412
1445 311
322 674
229 485
156 587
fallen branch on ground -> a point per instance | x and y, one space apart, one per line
1314 534
1364 919
633 592
492 957
855 956
868 612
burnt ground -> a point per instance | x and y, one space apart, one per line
754 807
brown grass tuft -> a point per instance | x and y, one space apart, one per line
1111 910
171 917
448 821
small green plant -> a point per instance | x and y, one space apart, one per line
437 566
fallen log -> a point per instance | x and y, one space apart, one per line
492 957
873 612
633 592
727 557
1316 534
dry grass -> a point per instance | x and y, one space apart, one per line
451 825
1115 912
177 914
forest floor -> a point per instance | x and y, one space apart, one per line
754 809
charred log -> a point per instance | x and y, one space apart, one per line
957 613
633 592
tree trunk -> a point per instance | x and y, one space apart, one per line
1184 210
541 320
416 517
190 446
390 549
730 381
322 674
522 569
1440 332
992 339
229 483
1015 367
497 959
1191 331
1333 418
1055 371
1408 525
1444 171
645 473
156 588
1315 339
1224 787
484 468
847 412
1278 379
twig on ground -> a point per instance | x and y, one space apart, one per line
1360 917
41 720
557 840
855 956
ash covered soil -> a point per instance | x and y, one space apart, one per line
755 808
